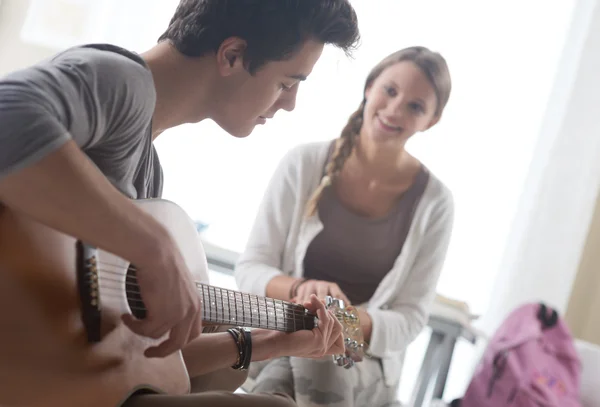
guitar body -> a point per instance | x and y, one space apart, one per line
62 341
46 357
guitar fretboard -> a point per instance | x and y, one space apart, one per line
227 307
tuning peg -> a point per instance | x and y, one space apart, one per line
339 360
330 301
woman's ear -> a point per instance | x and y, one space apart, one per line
367 92
434 121
230 55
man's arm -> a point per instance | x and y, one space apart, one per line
65 191
47 115
215 351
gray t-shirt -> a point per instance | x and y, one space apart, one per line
99 95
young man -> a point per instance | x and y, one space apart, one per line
76 135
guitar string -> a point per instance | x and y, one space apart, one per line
254 319
218 291
233 311
219 318
273 310
278 320
280 313
231 302
134 278
134 268
229 305
297 310
254 322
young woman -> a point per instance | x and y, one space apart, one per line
362 220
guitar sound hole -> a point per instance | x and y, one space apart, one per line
134 297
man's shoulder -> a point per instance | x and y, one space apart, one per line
91 92
109 51
96 64
102 59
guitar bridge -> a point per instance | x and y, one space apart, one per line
89 293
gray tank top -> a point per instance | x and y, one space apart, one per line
357 252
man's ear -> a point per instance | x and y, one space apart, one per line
230 55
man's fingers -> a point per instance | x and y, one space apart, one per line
338 349
317 307
325 317
336 334
196 328
336 341
327 322
176 341
332 324
146 327
338 346
313 303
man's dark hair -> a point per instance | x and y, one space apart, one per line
273 29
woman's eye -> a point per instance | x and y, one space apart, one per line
417 107
390 91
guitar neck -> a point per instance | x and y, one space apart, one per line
227 307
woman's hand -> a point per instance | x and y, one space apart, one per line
319 288
325 339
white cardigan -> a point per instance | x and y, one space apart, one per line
281 234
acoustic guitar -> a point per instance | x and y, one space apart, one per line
63 342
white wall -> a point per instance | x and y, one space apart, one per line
14 53
556 208
125 28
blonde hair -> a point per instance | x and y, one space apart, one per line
433 66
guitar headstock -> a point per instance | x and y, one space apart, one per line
353 336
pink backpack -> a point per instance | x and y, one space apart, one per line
531 361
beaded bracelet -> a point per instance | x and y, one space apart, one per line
247 334
238 342
243 340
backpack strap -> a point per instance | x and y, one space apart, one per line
547 321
